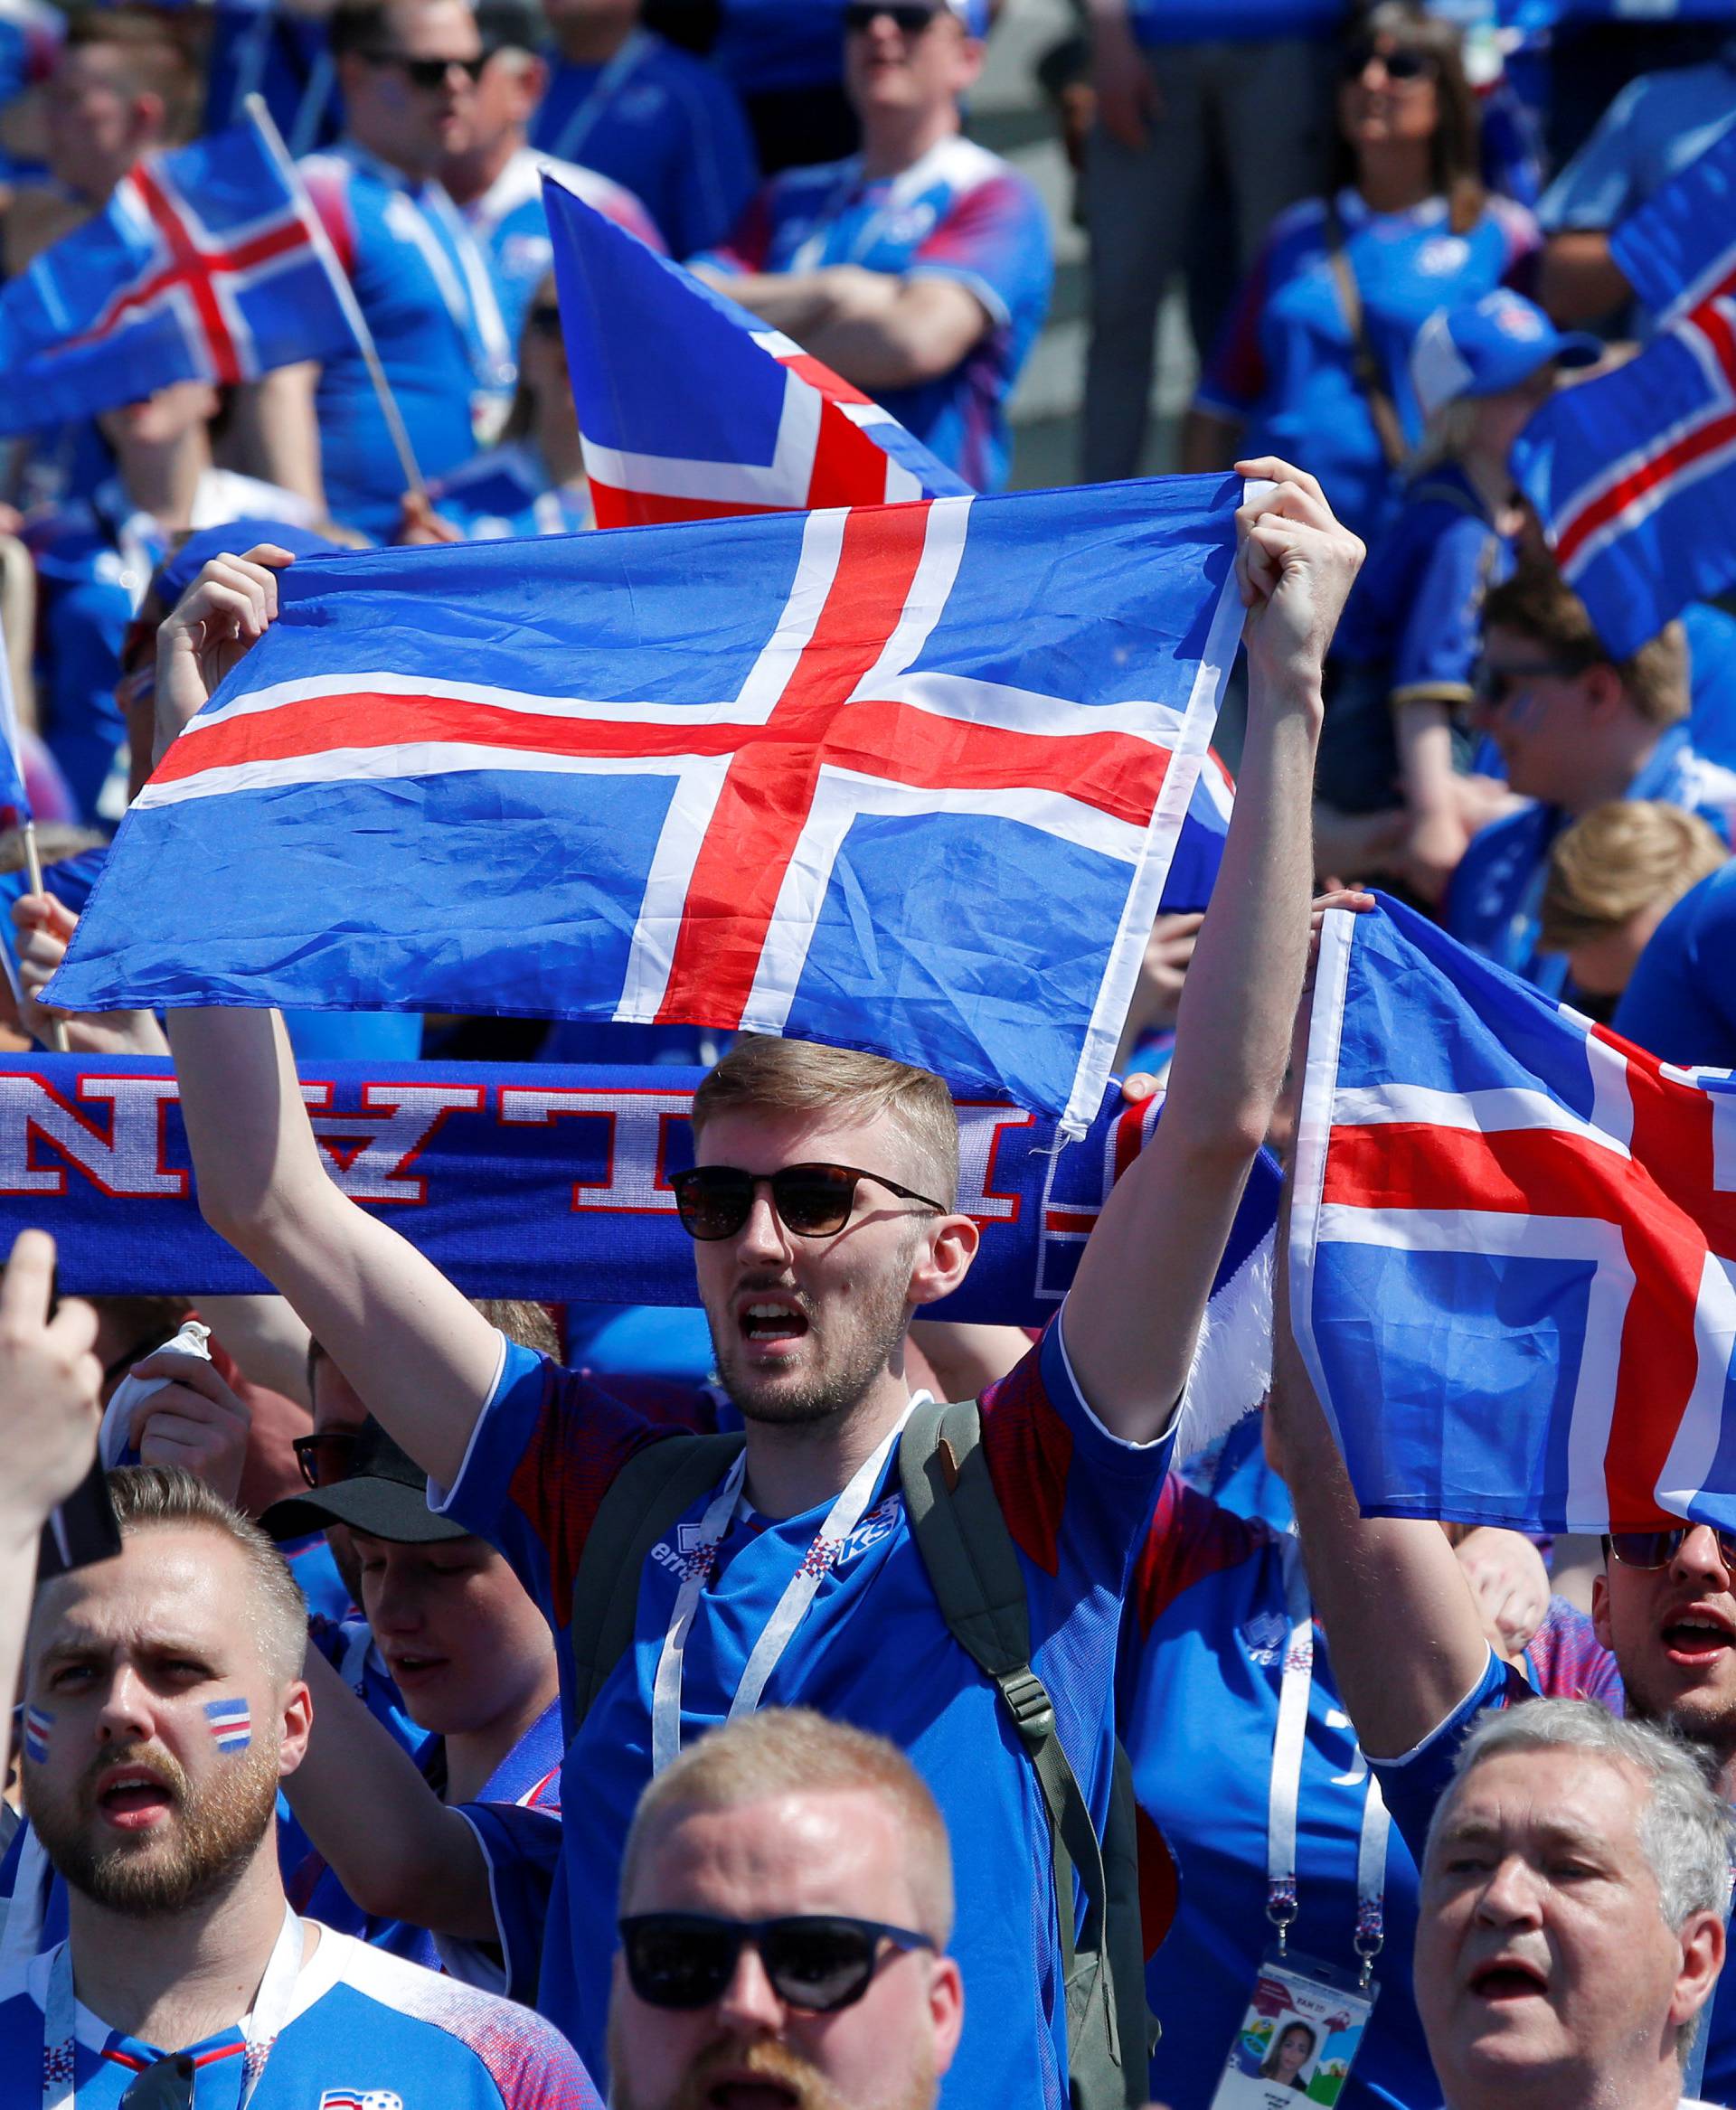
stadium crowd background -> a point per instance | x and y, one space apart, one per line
1483 754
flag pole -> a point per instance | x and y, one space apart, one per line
34 872
26 826
260 117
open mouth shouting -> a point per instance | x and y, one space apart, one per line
771 1321
1697 1635
132 1796
1505 1979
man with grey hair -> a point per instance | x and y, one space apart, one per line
1574 1891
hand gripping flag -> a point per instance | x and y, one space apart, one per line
1513 1255
900 777
690 409
1628 470
205 266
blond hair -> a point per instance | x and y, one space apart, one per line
149 1496
1538 604
793 1750
1632 854
763 1075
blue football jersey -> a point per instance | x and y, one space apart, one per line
872 1650
959 212
1680 1003
365 2029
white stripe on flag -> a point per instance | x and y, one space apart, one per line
782 484
816 571
412 759
1694 1450
943 550
1498 1110
652 951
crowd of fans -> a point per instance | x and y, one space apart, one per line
355 1780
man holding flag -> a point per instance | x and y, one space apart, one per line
1510 1260
823 1206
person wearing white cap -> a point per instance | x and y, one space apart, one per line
919 268
1408 644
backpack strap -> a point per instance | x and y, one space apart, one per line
956 1519
651 1493
1371 379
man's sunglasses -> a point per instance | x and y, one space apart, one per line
813 1202
1498 686
167 2084
327 1457
544 321
427 73
816 1962
908 15
1655 1550
1403 64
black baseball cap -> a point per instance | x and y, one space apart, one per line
386 1495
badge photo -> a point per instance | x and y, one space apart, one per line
1297 2039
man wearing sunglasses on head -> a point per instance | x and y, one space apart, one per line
408 70
823 1206
1416 1673
786 1902
919 269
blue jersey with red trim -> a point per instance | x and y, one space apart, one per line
1286 365
959 212
426 294
362 2026
872 1650
1202 1661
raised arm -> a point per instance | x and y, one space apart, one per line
392 1842
415 1350
1133 1315
1401 1616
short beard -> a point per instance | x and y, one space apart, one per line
869 1339
771 2059
215 1837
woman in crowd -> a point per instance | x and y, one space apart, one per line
1315 357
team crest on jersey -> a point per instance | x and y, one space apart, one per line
361 2099
879 1524
1264 1637
1447 252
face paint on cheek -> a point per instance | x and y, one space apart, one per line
230 1722
38 1722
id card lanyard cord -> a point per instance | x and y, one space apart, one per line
846 1513
271 2008
1289 1746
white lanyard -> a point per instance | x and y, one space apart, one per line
1289 1745
469 299
607 86
846 1513
261 2030
484 303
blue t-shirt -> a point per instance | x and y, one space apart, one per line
872 1650
959 212
426 294
1202 1665
1414 1785
1494 898
363 2025
1419 600
765 46
1186 21
507 492
662 123
1680 1003
1285 366
1712 677
1654 128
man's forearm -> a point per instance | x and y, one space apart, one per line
797 302
1578 281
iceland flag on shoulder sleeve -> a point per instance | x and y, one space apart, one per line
903 777
1512 1253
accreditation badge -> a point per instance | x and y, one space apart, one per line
1298 2038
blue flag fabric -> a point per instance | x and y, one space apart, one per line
203 266
690 409
463 1158
1627 470
1513 1252
906 778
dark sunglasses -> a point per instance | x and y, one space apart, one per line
1498 686
813 1200
1655 1550
544 321
1406 63
815 1962
427 73
167 2084
327 1457
908 15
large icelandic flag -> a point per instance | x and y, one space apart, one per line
205 266
690 409
1513 1252
1628 471
901 777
